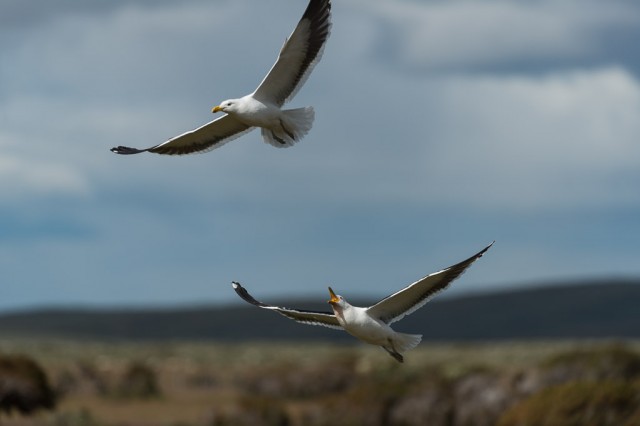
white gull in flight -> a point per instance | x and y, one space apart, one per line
262 108
371 324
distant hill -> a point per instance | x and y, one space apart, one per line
593 310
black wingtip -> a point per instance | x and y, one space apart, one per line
458 269
476 256
125 150
484 250
244 294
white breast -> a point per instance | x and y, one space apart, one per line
258 114
359 324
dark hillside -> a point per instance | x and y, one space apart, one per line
602 309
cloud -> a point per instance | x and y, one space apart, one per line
26 173
20 178
560 141
491 34
563 140
24 15
405 169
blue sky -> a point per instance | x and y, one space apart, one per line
440 127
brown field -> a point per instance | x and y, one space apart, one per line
207 384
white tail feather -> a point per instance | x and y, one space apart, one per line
403 342
295 124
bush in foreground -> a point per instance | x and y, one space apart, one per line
24 386
613 403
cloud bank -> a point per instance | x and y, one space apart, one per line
440 127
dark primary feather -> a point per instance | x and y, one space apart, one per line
307 317
244 294
125 150
313 31
404 302
205 138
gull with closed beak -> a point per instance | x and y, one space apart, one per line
263 108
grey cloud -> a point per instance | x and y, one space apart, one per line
24 14
501 36
412 168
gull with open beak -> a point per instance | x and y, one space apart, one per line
372 324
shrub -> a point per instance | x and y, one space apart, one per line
24 386
606 403
368 402
612 362
74 418
428 402
250 411
138 381
301 381
480 397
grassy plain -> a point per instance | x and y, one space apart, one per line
207 384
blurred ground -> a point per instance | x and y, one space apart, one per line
207 384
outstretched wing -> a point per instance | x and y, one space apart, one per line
205 138
298 56
404 302
307 317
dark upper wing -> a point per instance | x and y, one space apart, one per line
307 317
298 56
205 138
394 307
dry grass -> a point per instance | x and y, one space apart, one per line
206 384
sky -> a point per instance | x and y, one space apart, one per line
440 126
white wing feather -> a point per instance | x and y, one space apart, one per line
411 298
298 56
324 319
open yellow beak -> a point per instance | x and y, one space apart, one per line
216 109
334 298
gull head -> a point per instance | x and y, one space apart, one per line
335 299
226 106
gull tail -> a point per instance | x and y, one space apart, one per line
401 343
294 125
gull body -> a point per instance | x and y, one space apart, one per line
360 324
251 111
372 324
280 128
263 108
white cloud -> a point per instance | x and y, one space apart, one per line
555 141
26 178
561 141
392 155
522 139
468 33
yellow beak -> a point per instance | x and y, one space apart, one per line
334 298
216 109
